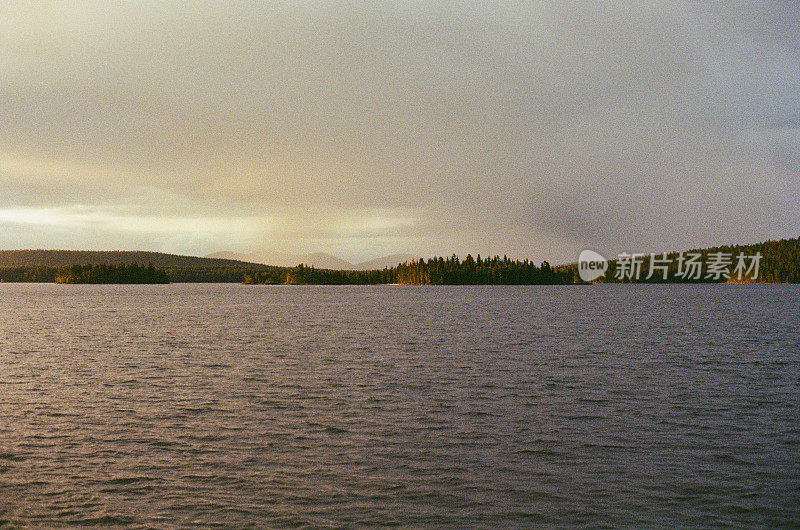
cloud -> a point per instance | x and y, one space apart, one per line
532 128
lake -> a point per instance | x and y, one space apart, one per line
324 406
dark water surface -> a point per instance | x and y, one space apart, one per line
254 406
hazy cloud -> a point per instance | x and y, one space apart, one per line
533 128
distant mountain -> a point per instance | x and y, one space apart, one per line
385 262
233 256
66 258
319 260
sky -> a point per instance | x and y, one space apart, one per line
532 129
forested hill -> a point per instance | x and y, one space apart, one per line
67 258
779 263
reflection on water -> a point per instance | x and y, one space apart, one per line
334 406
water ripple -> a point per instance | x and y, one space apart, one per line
332 407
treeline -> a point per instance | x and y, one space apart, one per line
434 271
132 273
477 271
779 262
303 274
216 274
66 258
104 274
28 274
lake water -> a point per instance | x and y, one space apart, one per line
254 406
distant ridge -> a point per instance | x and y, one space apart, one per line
319 260
67 258
779 262
386 261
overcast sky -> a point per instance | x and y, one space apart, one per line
533 129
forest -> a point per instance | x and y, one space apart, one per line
66 258
779 263
434 271
130 273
